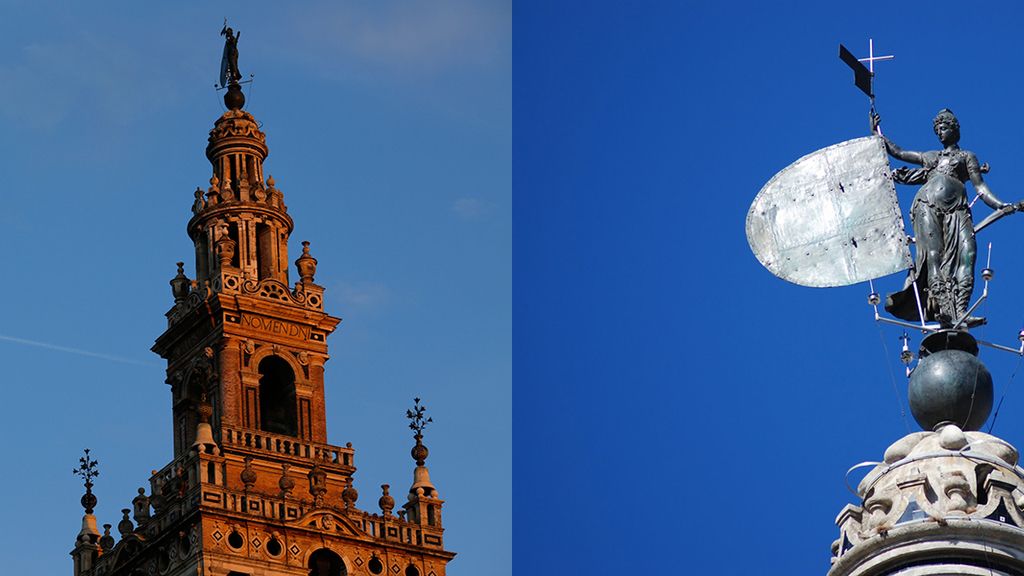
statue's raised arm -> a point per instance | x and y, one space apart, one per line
890 147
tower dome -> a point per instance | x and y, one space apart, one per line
940 502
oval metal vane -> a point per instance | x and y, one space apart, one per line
831 218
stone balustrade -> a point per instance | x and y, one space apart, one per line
268 443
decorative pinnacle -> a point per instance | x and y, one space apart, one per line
87 470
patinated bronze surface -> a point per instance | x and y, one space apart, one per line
943 229
229 62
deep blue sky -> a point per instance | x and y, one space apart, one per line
678 408
389 127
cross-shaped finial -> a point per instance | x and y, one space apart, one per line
872 58
416 415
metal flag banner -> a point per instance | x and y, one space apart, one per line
861 74
831 218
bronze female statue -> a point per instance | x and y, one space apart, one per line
943 228
229 62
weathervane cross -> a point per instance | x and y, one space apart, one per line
872 58
863 76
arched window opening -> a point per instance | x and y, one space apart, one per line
202 257
233 234
277 397
323 562
264 251
411 570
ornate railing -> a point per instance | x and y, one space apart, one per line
266 442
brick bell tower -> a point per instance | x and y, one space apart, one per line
254 488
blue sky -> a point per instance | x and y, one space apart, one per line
389 127
678 408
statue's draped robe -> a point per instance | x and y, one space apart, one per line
944 236
229 62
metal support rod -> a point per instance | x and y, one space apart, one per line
917 298
1017 351
924 328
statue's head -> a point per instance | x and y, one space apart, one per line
946 126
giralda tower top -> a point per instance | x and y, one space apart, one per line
254 488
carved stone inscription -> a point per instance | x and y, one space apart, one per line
278 327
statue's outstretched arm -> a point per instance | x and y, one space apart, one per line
894 150
979 184
901 154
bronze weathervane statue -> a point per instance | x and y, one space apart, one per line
943 273
832 219
229 73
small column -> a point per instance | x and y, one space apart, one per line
230 381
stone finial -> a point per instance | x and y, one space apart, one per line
386 501
141 505
286 483
317 484
106 541
87 470
248 475
306 264
349 495
125 526
213 192
180 285
274 196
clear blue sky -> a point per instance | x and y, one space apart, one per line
389 126
678 408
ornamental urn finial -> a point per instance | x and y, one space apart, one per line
349 495
180 285
306 264
386 501
286 483
125 526
248 475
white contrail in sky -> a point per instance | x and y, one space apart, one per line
78 351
